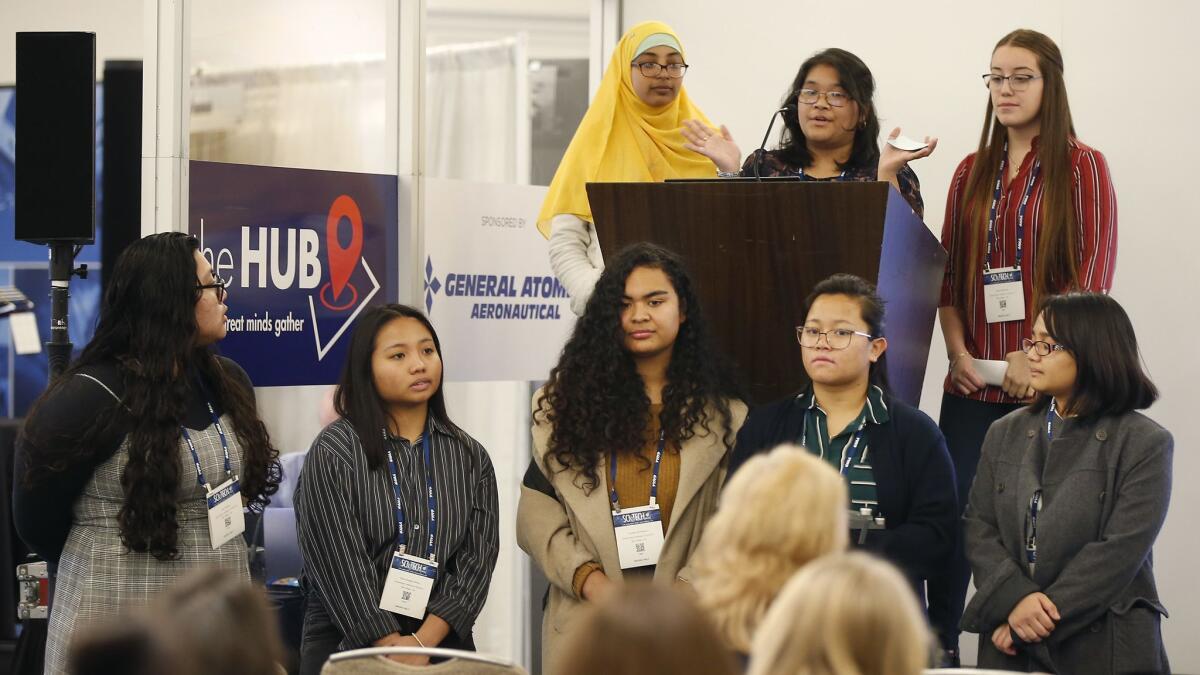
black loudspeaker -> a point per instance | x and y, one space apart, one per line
121 154
56 138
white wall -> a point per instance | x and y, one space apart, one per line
117 24
1129 71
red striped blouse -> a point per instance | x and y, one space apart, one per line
1095 203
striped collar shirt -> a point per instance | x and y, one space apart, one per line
346 518
832 448
1095 210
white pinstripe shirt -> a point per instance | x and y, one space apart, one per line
345 514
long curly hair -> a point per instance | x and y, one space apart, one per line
148 328
595 400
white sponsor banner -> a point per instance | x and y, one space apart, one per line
500 312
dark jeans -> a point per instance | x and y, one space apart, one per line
322 637
964 423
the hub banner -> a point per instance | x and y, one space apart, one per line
499 310
303 252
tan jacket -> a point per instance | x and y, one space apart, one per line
562 533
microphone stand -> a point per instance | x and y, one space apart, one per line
762 147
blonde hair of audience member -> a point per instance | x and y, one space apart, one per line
641 628
778 512
210 621
845 614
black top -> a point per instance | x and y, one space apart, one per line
773 165
43 512
914 478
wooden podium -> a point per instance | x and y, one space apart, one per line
756 249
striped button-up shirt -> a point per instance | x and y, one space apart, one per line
860 476
346 519
1095 211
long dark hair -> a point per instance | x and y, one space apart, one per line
595 399
1057 255
1096 331
357 398
858 82
148 328
872 309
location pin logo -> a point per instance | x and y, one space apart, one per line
342 261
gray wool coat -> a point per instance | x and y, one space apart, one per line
1105 485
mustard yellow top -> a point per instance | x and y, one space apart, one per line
622 139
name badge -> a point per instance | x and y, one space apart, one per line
408 585
226 519
639 535
1003 295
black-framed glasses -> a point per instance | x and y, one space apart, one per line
835 99
1041 347
219 284
1018 82
652 69
838 338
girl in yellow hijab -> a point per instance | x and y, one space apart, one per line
630 133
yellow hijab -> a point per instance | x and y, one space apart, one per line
621 139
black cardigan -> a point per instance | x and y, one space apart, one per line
914 478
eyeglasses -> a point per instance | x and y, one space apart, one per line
1042 348
835 99
652 69
838 338
1018 82
219 284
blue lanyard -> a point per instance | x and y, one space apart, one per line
612 474
196 456
1035 505
401 536
1051 413
851 446
991 240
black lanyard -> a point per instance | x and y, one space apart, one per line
1035 505
612 473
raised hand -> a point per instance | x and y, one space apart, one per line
892 159
718 146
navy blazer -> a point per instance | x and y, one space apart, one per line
914 479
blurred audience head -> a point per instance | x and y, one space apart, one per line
845 614
644 629
211 621
778 512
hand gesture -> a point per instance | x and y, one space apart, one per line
1034 617
892 159
718 146
963 376
1016 378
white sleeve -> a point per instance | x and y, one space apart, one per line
575 257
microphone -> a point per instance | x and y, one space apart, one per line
762 147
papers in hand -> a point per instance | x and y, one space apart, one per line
907 144
992 372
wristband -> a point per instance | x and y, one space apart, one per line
414 636
957 357
728 174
